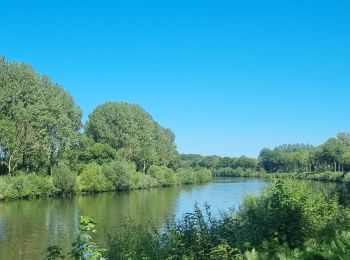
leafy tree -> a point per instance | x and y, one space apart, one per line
331 152
97 152
133 131
15 141
43 114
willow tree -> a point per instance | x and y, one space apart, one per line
131 130
43 117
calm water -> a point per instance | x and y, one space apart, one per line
27 228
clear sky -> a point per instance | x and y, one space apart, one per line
228 77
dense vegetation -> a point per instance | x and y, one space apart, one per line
45 149
287 221
327 162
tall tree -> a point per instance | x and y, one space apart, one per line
133 131
41 112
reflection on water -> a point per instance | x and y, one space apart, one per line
28 227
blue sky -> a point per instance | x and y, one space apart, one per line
228 77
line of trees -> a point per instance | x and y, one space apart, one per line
41 126
46 150
331 156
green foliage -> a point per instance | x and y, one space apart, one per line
54 252
288 213
164 176
42 115
10 145
185 176
83 247
92 179
215 162
64 179
202 175
326 176
134 241
347 177
97 152
119 173
288 221
133 131
192 237
142 181
26 186
333 155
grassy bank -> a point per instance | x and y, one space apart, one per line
96 178
328 176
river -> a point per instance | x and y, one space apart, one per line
28 227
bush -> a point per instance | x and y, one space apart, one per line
142 181
287 213
347 177
92 179
190 238
288 221
185 176
83 247
134 241
202 175
26 186
119 173
164 176
64 179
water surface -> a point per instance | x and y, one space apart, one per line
28 227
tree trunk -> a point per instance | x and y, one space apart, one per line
9 165
144 167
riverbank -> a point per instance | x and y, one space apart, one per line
286 221
29 186
339 177
55 220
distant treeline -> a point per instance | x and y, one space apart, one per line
331 156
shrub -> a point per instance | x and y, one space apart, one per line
119 173
142 181
347 177
185 176
287 221
64 179
26 186
202 175
134 241
164 175
92 179
83 247
287 213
